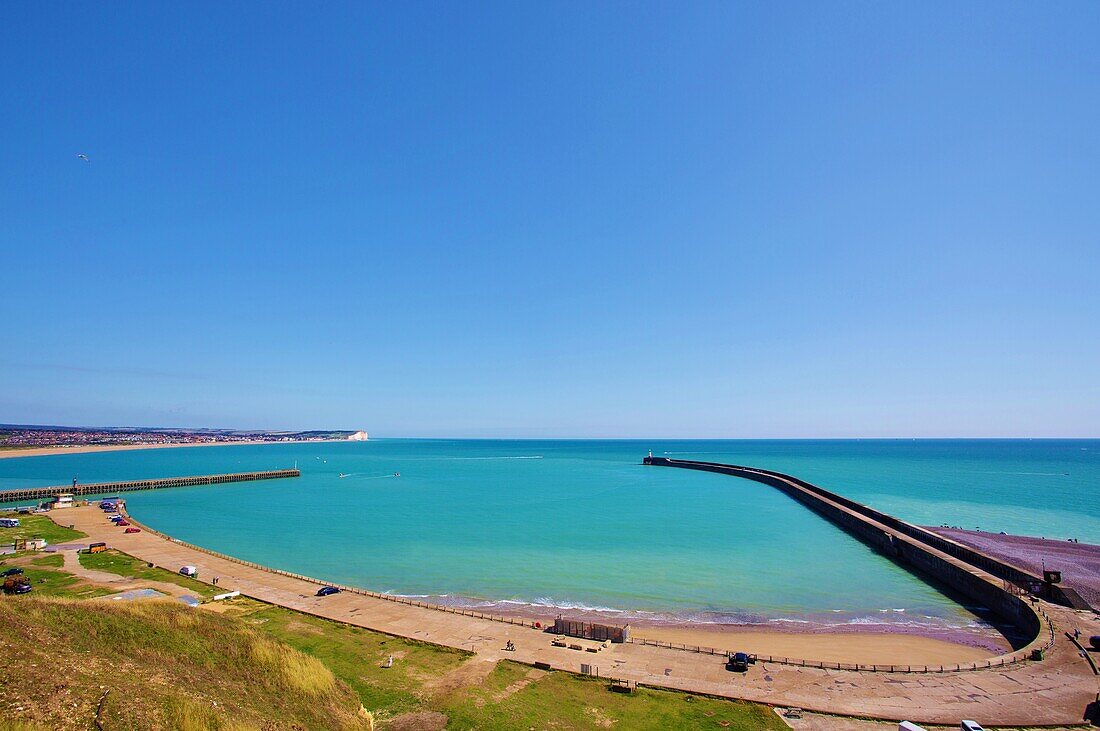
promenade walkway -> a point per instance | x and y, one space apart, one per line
1054 692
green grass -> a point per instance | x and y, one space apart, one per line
116 562
54 559
168 666
516 696
47 582
356 656
513 696
39 526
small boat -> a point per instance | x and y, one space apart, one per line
343 475
396 474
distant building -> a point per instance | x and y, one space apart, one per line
63 500
359 436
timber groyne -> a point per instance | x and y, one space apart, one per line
993 583
106 488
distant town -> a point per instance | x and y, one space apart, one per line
20 436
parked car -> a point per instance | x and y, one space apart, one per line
132 529
114 517
189 571
16 585
738 662
122 522
12 572
970 726
327 590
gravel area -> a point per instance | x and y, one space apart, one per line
1078 562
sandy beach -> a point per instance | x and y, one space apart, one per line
82 448
869 648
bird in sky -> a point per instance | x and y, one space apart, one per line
83 157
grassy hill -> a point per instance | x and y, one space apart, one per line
243 664
166 665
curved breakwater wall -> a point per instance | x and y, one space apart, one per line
984 579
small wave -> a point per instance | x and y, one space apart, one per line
530 456
1031 474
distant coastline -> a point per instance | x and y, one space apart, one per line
84 448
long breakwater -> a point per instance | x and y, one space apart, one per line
105 488
992 583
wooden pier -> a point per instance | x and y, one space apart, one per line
109 488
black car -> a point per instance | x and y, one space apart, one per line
738 662
327 590
12 572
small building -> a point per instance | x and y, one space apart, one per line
63 500
591 630
36 544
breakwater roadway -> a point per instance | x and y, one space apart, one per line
104 488
987 580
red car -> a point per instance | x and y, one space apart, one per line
122 522
133 530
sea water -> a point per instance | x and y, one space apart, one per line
583 525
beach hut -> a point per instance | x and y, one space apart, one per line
63 500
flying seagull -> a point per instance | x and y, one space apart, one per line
83 157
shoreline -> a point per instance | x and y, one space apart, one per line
980 642
853 644
885 688
89 448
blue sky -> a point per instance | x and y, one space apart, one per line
553 219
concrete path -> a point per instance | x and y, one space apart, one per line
1053 692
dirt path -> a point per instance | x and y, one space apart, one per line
116 582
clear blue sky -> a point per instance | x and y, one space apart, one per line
553 219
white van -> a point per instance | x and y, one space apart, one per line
9 522
909 726
970 726
189 571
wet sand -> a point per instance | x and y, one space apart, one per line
869 648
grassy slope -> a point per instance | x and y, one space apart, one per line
515 696
116 562
31 526
512 696
179 661
168 666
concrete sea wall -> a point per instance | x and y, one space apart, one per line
984 579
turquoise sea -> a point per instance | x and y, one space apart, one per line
581 524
